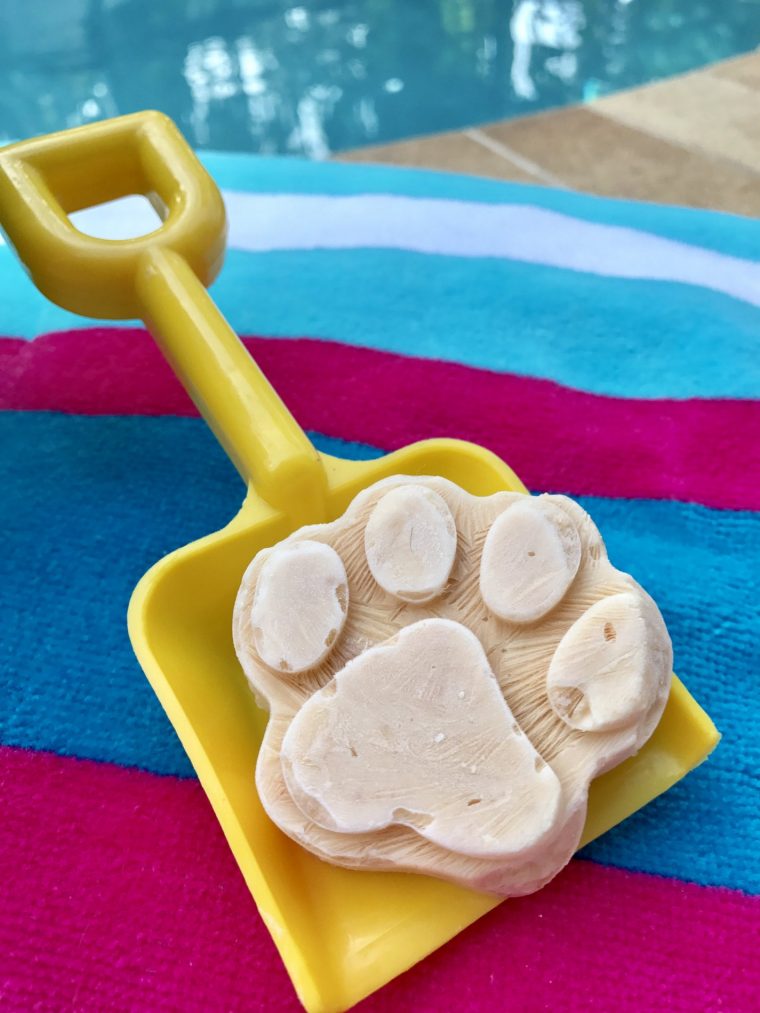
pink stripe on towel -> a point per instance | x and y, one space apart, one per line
119 893
554 437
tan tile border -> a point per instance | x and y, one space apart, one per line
452 152
744 69
677 141
703 112
603 156
529 167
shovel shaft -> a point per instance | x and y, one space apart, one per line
259 434
160 278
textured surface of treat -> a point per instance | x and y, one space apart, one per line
573 682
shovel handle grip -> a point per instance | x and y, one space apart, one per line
160 278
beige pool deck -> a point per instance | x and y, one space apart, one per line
692 140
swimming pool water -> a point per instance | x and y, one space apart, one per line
323 75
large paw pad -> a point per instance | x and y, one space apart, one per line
446 674
416 732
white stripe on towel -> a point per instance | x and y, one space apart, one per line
261 222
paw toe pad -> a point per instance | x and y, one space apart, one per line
597 679
411 541
530 558
300 605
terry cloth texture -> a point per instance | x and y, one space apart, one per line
603 349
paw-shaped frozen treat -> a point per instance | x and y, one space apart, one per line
445 675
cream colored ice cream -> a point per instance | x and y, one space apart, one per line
446 674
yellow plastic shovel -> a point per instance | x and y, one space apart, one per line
341 934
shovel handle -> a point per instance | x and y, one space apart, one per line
160 278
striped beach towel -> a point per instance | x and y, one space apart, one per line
606 350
